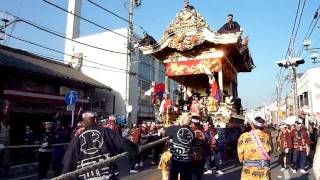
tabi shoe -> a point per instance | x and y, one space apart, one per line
136 165
303 171
293 170
133 171
220 172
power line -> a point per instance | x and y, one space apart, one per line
114 14
61 36
61 60
54 50
43 28
316 14
301 13
85 19
60 52
314 17
293 29
6 42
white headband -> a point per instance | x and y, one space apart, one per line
283 126
259 124
88 115
195 120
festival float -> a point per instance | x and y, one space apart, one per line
206 64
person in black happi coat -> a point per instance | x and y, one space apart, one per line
230 27
95 144
181 147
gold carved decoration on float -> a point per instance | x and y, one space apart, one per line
182 29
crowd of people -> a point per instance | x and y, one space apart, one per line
192 151
295 144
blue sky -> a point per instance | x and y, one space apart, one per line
268 23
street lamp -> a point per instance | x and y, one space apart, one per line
313 51
292 62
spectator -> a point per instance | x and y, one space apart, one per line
46 151
58 152
4 132
29 139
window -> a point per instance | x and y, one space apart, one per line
161 73
144 101
145 71
306 99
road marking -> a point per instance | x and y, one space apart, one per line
24 177
286 174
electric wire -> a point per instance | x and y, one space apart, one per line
114 14
64 37
289 51
308 33
297 29
314 17
63 61
315 24
60 52
85 19
6 42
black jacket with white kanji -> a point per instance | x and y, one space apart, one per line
182 142
93 145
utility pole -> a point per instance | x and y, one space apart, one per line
294 88
278 100
294 79
129 39
130 5
293 63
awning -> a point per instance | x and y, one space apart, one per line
15 94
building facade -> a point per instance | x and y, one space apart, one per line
308 92
110 69
34 89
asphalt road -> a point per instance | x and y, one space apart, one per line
231 171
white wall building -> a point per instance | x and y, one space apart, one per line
148 69
308 91
110 68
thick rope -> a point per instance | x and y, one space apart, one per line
108 161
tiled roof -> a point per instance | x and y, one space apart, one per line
26 61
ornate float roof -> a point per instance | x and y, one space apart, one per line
189 36
187 30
